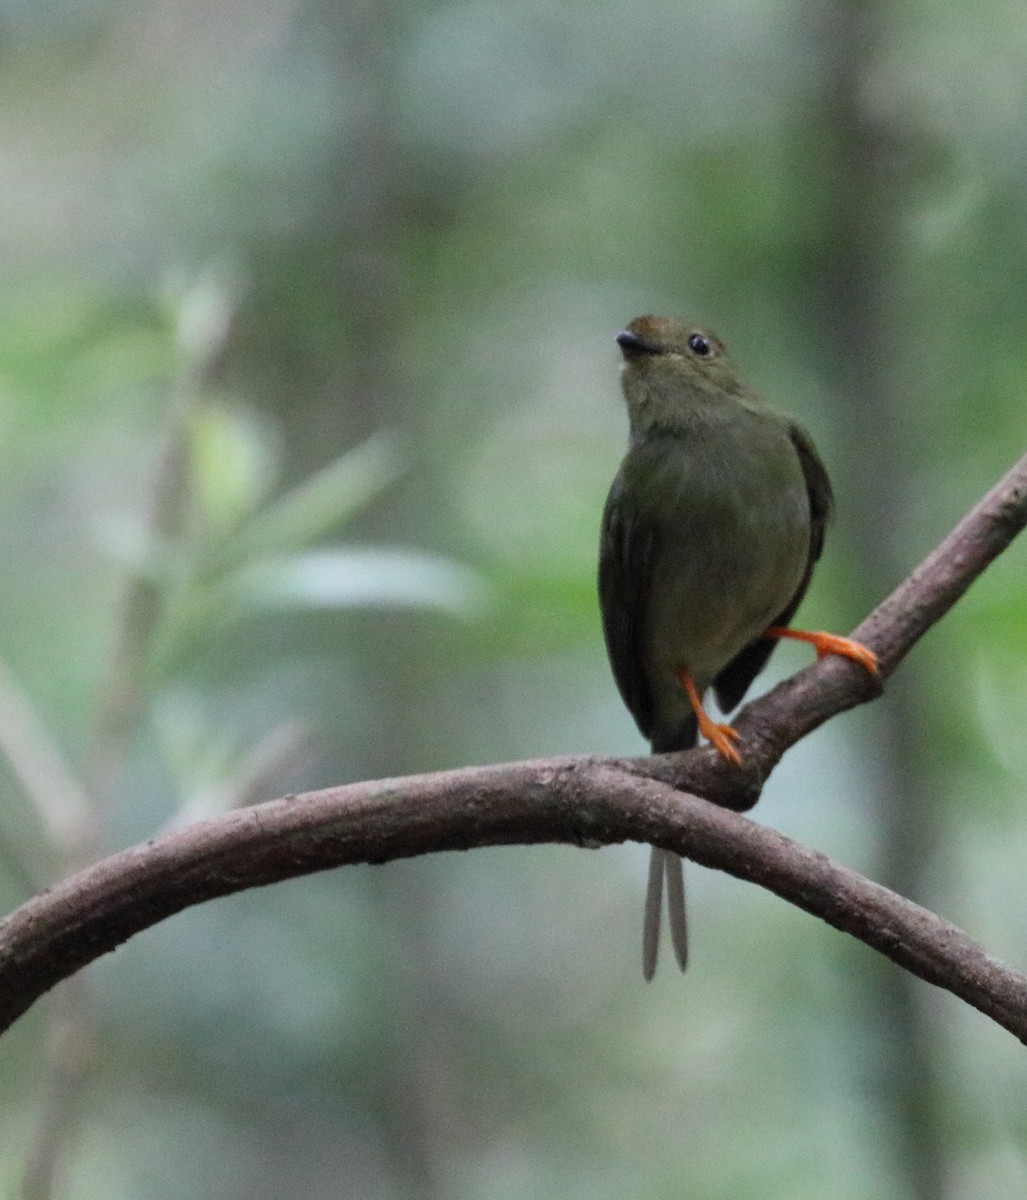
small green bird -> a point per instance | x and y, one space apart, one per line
710 534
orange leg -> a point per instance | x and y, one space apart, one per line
828 643
719 736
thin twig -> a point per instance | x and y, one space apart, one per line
39 765
70 1053
77 815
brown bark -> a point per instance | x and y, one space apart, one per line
587 801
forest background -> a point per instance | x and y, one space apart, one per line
308 408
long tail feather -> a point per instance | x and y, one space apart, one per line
653 913
675 869
666 863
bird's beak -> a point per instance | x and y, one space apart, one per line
633 346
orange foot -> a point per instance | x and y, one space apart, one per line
719 736
828 643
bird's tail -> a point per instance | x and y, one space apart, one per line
665 864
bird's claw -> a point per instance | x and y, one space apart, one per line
720 738
830 643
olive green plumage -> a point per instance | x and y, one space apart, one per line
709 536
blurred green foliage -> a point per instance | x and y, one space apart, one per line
306 359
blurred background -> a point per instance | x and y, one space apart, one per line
308 409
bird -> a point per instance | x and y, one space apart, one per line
710 533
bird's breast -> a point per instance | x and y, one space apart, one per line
734 534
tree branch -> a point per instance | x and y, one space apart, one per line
586 801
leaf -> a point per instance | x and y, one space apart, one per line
375 577
321 502
233 465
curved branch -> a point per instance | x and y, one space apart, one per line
572 800
588 801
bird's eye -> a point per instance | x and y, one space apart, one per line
699 345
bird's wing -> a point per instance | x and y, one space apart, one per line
733 681
821 497
627 552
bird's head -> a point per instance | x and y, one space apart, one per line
670 366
